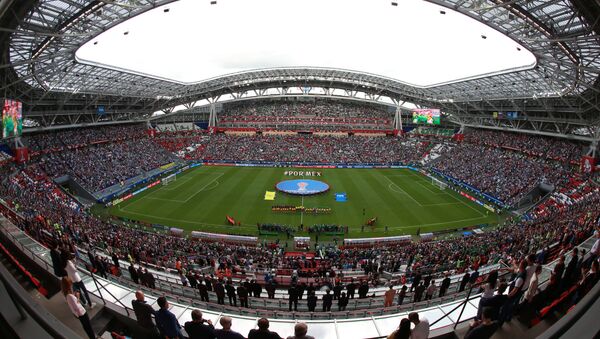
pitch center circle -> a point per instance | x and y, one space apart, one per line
302 186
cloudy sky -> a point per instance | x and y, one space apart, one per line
411 42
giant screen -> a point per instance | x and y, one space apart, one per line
12 120
430 116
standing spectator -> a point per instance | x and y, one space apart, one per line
226 332
75 307
300 330
311 301
464 281
403 331
351 288
571 271
533 289
166 321
71 270
389 297
419 292
337 290
514 295
57 263
327 301
402 294
416 280
342 302
482 329
263 331
301 289
293 297
199 328
488 292
363 290
203 291
231 293
430 290
143 314
445 285
421 329
133 274
149 279
256 289
242 293
270 290
115 259
220 291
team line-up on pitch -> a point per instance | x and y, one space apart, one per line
303 173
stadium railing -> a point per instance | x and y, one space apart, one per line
27 307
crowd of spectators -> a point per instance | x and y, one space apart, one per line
539 146
54 141
99 166
323 115
504 174
311 148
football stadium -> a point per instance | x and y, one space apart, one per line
300 169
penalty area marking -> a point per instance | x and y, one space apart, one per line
393 184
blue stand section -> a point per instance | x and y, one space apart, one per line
341 197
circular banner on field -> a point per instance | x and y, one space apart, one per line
302 186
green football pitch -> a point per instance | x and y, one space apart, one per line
403 200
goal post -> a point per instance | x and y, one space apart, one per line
438 183
169 179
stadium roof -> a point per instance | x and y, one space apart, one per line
559 95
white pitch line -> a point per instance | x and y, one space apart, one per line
184 220
433 224
468 205
203 187
403 191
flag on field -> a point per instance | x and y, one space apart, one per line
269 195
231 220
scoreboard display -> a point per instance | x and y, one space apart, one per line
12 120
429 116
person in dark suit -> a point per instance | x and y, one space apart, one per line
301 289
220 291
199 328
231 293
293 297
337 290
311 301
143 314
342 302
270 290
419 292
363 290
263 331
242 293
149 279
57 262
445 285
327 301
351 288
464 281
203 292
256 289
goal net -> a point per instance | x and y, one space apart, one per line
168 179
439 184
